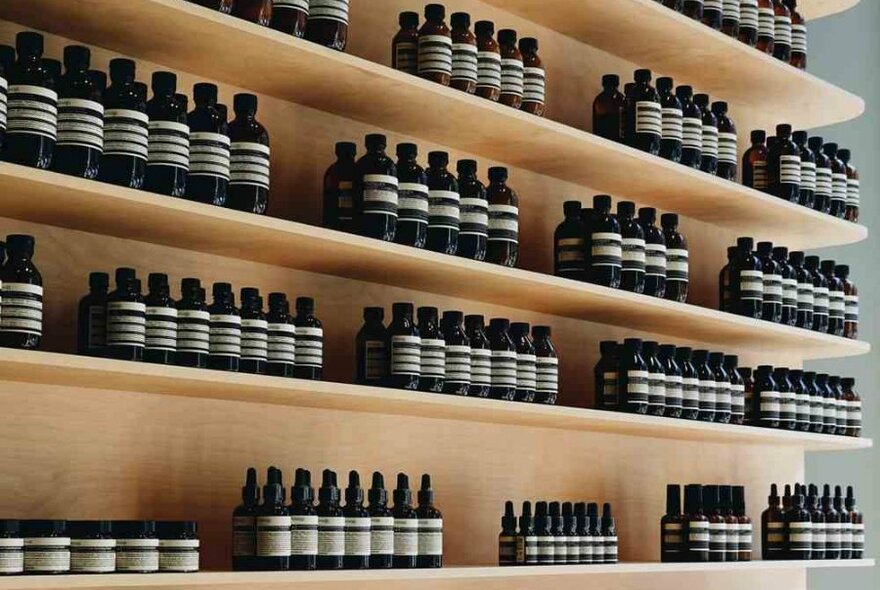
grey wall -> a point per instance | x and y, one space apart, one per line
845 50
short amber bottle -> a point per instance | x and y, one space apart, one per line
836 298
671 527
655 253
80 117
534 78
725 283
754 162
781 31
168 160
784 166
696 525
435 46
606 254
609 110
290 16
443 205
632 275
512 69
727 149
568 241
328 23
465 61
208 178
474 219
644 115
405 45
821 295
633 378
126 132
412 210
488 61
853 190
255 11
746 281
503 243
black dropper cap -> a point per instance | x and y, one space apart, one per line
593 514
250 492
850 498
408 19
607 518
402 494
508 521
673 499
301 493
346 150
378 494
272 491
526 520
354 493
328 492
426 493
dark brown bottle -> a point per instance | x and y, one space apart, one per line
690 384
737 389
534 78
808 169
692 128
677 264
473 232
746 281
339 212
224 6
789 286
824 180
503 244
754 162
709 155
725 283
7 59
644 115
727 150
633 378
730 18
168 160
655 253
821 294
656 379
465 63
744 524
696 525
328 23
444 204
290 16
609 110
605 245
404 346
412 210
568 240
836 299
672 527
773 528
772 280
255 11
804 280
731 524
748 22
784 166
672 126
853 195
674 382
632 275
376 191
488 61
693 9
712 13
854 407
249 158
606 391
126 128
80 117
208 178
435 46
781 31
798 36
799 530
766 399
802 399
766 26
851 302
405 45
511 69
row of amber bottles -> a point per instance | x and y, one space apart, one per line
789 288
622 251
678 126
499 71
324 22
809 172
774 27
425 208
74 123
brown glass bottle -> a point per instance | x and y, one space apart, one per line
339 189
224 6
692 128
696 525
249 158
748 22
328 23
503 245
671 527
798 36
712 13
488 61
412 218
781 31
824 182
744 524
255 11
609 110
853 193
511 69
754 162
405 45
808 169
465 62
773 528
747 281
435 46
838 181
784 166
766 26
709 154
851 302
644 115
534 78
836 298
290 16
677 275
671 113
725 301
376 191
727 148
605 244
854 407
730 18
693 9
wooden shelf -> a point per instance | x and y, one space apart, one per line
540 574
90 373
651 35
295 70
813 9
55 199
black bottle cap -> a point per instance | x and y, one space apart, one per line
607 347
844 154
626 209
408 19
77 56
20 244
816 143
435 12
402 494
827 266
665 84
250 296
250 492
554 510
841 271
438 159
205 93
124 275
346 150
426 492
43 527
701 100
508 521
428 314
796 258
799 137
164 83
765 248
528 45
602 202
783 130
669 220
188 285
648 215
121 67
453 318
759 136
731 361
157 281
848 382
466 167
520 328
683 353
642 76
673 499
498 174
607 517
99 280
719 107
375 142
374 314
499 325
542 332
244 103
684 92
745 244
812 262
29 42
830 149
377 494
649 347
633 344
305 305
460 20
474 320
484 28
402 309
700 356
328 493
726 496
507 37
780 253
571 208
354 493
7 58
610 80
667 351
407 150
222 289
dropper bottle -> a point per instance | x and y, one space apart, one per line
527 539
406 526
381 525
430 527
609 533
304 523
331 524
357 525
507 541
244 525
546 543
273 527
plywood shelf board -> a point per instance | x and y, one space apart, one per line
291 69
89 373
648 33
54 199
813 9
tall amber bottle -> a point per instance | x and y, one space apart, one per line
727 149
644 115
609 110
405 45
824 180
755 162
255 11
677 264
766 26
709 155
808 169
488 61
168 160
798 36
691 128
465 62
606 252
534 78
512 69
249 163
412 218
851 302
444 204
376 191
435 46
503 245
748 22
672 113
290 16
853 191
838 181
339 189
328 23
784 166
781 31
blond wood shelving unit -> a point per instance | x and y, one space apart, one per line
820 8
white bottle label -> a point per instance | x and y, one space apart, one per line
209 154
281 343
244 536
547 370
526 376
3 113
93 556
126 133
357 536
380 195
11 555
633 255
168 144
504 368
692 133
273 536
766 23
805 296
433 358
335 10
80 123
406 537
789 293
225 335
677 265
790 170
759 175
489 70
751 285
808 176
430 537
851 308
126 323
178 555
137 555
853 192
824 183
607 249
512 76
481 367
727 149
799 38
435 55
656 389
534 85
161 328
655 260
193 331
638 387
382 535
412 203
304 535
837 305
772 288
503 223
331 536
301 5
782 30
249 164
649 118
464 62
443 209
748 14
32 110
710 141
838 187
672 124
474 215
254 340
406 355
731 10
375 359
407 57
771 405
309 347
22 308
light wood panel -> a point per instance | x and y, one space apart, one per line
55 199
812 9
538 575
648 33
269 62
90 373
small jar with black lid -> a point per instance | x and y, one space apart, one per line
137 546
178 546
92 547
11 548
46 546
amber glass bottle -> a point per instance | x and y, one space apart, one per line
824 181
290 16
503 245
249 161
488 61
376 191
208 178
746 281
709 155
821 295
730 18
126 131
677 275
255 11
568 240
784 166
725 283
412 210
851 302
339 189
465 63
727 150
443 205
836 298
80 117
781 31
609 110
632 276
838 181
748 22
168 161
328 23
405 45
772 282
853 192
755 162
435 46
511 69
712 13
672 113
605 245
808 169
644 115
534 78
655 253
692 128
766 26
474 218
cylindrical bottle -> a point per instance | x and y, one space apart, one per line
443 205
512 69
747 281
488 61
161 322
507 539
802 400
727 150
405 348
838 181
412 209
723 390
817 404
824 181
357 526
609 110
749 385
328 23
690 383
766 26
606 252
249 158
644 115
273 545
782 33
772 283
92 317
126 318
696 525
692 128
748 22
126 129
632 276
503 360
225 330
481 357
787 399
406 526
371 346
672 124
309 341
717 524
784 166
634 378
254 333
526 362
857 520
465 61
798 36
430 527
32 115
725 283
708 392
799 530
80 118
290 16
281 348
836 299
534 78
853 190
137 546
673 383
168 159
502 246
546 366
821 294
405 45
381 525
767 398
808 169
376 191
474 215
677 263
804 291
7 59
458 354
435 46
339 197
304 523
433 351
709 155
568 242
193 325
754 163
606 377
672 545
208 178
773 528
713 13
656 379
331 524
789 286
730 18
655 253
